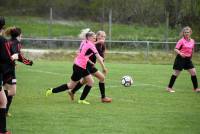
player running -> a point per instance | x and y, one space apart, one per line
87 48
100 46
184 49
9 78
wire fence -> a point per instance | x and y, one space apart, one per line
145 48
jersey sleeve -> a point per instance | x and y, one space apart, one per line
179 44
93 48
21 57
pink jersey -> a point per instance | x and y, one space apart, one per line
86 49
185 46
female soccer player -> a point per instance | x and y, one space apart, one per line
184 49
9 78
100 46
87 48
3 100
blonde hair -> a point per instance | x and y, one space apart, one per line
184 29
13 32
8 30
83 33
100 32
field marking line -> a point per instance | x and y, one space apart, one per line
61 74
112 86
96 87
45 72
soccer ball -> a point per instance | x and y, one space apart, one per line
126 81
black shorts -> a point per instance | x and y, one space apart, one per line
181 63
78 73
9 76
91 69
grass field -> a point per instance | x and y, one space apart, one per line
144 108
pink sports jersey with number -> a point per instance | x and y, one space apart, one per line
185 46
87 48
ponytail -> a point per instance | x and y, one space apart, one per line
13 32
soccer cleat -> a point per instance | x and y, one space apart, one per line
83 102
8 132
49 91
71 94
8 114
170 90
106 100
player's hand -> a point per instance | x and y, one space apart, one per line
105 71
15 56
30 63
100 41
182 55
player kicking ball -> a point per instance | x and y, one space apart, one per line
100 46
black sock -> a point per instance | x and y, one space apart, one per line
85 92
194 81
9 101
2 120
60 88
102 89
77 87
172 80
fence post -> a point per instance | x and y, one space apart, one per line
50 22
147 51
110 28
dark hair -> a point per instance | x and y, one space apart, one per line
2 22
15 32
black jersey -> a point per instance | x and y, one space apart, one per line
101 50
5 57
15 47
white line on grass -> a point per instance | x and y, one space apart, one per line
108 86
111 86
45 72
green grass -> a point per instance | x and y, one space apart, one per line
144 108
39 27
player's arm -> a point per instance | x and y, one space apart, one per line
179 52
100 59
178 48
21 58
11 57
92 63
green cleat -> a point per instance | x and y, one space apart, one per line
83 102
49 91
8 114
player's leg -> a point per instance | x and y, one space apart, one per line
101 78
177 67
78 86
172 80
76 76
72 92
86 90
10 91
9 84
3 102
61 88
194 79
